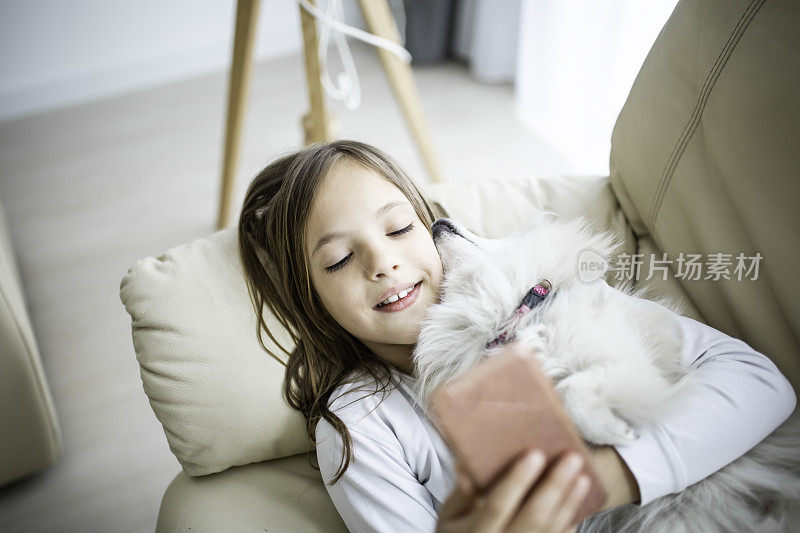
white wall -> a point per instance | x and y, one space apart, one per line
55 53
576 63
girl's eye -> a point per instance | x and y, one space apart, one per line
404 230
343 262
338 265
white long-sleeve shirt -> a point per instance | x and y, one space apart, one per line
402 470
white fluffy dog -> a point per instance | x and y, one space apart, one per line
614 361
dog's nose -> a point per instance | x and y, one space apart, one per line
442 225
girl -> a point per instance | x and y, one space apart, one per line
330 232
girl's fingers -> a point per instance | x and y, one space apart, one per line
571 504
504 498
543 504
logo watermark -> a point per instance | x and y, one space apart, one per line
686 266
591 266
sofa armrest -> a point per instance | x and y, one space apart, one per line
30 435
280 495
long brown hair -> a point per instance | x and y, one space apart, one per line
272 246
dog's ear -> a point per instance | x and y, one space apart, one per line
439 210
536 219
548 216
474 232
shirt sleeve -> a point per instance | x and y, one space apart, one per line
738 397
378 492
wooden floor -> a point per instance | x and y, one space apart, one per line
91 189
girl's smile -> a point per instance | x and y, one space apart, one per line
404 299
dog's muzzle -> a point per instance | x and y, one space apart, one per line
443 225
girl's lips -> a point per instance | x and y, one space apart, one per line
402 303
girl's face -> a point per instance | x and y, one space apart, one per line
363 239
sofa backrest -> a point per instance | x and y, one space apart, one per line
705 159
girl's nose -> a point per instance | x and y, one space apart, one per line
381 261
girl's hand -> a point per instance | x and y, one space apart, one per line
509 505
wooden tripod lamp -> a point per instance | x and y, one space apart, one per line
317 123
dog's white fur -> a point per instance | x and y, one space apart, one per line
615 364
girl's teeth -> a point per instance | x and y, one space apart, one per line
395 297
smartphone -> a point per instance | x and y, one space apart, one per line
500 409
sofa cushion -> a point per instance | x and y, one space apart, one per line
212 387
704 160
209 382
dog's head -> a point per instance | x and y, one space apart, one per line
473 266
484 283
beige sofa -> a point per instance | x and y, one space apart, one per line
30 438
704 160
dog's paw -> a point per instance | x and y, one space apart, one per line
534 336
596 421
617 432
604 427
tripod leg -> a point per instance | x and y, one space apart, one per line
317 122
246 20
381 23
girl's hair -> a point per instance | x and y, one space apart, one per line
272 245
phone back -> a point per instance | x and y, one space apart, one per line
501 408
